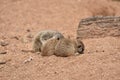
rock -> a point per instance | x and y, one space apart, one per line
99 26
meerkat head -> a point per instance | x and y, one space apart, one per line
45 37
58 36
80 47
48 36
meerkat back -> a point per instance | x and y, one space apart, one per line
42 37
65 47
48 48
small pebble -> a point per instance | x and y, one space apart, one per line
2 62
1 66
96 50
28 51
3 52
55 72
28 30
38 52
27 38
28 60
3 43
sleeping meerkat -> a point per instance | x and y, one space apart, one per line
48 48
62 47
42 37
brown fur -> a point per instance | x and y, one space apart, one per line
63 47
42 37
49 47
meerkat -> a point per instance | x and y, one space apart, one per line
62 47
80 47
42 37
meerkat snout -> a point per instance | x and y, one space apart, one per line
80 47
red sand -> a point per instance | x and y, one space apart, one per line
22 18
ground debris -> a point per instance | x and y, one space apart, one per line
1 66
28 30
2 62
3 43
3 52
98 27
32 51
28 60
15 37
27 38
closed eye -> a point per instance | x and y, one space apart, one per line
79 46
58 38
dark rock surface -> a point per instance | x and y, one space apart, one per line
99 26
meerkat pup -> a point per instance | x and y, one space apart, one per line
42 37
62 47
48 48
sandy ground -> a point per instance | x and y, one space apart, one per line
20 20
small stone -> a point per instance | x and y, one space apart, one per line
28 60
2 62
28 51
38 52
3 52
29 36
1 66
55 72
96 50
15 37
28 30
3 43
